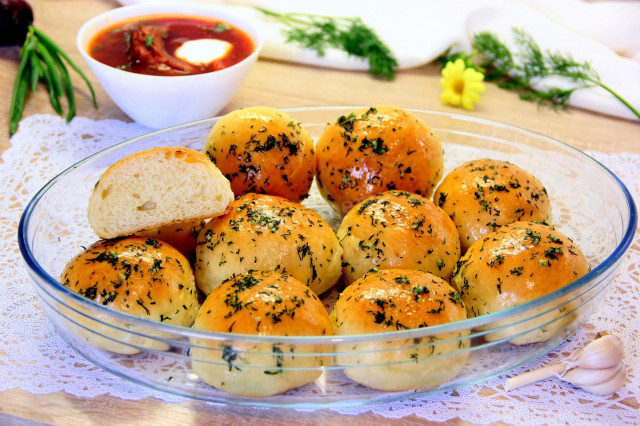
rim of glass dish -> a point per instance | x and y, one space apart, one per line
470 323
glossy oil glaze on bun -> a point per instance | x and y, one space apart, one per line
263 304
265 232
263 150
139 276
482 195
395 300
398 229
373 150
518 263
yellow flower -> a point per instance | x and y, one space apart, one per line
462 86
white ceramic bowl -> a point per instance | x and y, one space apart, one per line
162 101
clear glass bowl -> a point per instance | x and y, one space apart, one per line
589 204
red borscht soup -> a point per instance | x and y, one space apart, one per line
171 45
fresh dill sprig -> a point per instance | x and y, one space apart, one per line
318 33
501 66
519 71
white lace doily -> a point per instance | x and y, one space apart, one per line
34 359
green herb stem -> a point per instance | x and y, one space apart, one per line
68 87
52 46
284 17
18 106
618 97
35 72
597 82
29 45
52 93
48 61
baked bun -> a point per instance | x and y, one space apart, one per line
139 276
263 150
482 195
398 229
394 300
181 235
520 262
155 188
373 150
269 233
265 304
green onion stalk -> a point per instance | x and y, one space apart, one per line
42 59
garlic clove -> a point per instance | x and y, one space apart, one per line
597 367
534 376
590 376
610 386
604 352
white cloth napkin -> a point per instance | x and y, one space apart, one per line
604 33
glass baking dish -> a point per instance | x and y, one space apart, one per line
589 204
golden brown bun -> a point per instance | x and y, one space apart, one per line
265 304
393 300
182 236
398 229
482 195
520 262
373 150
155 188
263 150
266 232
139 276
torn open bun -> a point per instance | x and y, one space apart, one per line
154 188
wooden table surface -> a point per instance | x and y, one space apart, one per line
279 85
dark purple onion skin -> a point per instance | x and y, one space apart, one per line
15 18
